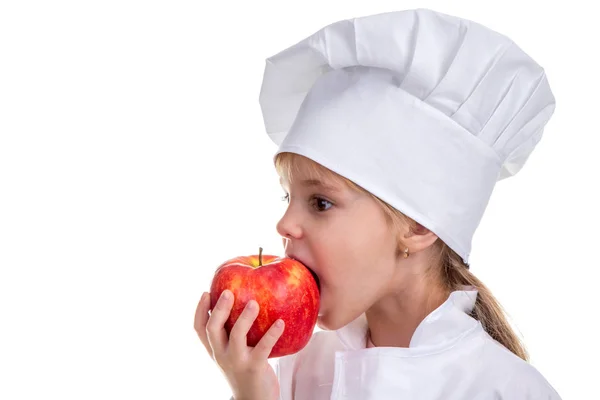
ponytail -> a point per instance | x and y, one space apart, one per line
487 309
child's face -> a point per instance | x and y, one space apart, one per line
343 236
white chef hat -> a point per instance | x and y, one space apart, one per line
426 111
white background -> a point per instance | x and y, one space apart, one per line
133 161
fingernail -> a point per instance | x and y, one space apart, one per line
226 295
251 305
279 323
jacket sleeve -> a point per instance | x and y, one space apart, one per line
528 384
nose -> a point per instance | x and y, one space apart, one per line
288 226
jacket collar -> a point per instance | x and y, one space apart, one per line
446 323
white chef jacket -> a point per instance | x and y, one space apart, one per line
450 357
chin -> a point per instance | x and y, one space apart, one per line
327 324
321 324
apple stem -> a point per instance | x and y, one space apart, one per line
260 256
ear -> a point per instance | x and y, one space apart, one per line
419 238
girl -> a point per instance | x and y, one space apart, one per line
392 130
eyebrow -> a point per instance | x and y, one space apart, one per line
316 183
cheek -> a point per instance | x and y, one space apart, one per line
345 268
350 264
351 293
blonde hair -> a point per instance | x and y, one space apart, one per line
453 272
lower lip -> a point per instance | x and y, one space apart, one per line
316 278
320 301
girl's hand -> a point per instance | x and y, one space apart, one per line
246 368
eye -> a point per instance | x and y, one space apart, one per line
320 204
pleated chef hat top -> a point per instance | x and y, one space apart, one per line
425 110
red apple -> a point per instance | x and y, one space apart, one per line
283 288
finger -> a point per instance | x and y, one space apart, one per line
201 319
215 327
239 332
263 348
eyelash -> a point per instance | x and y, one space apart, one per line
314 199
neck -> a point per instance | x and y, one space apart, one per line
395 317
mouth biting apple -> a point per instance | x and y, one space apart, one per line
283 287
